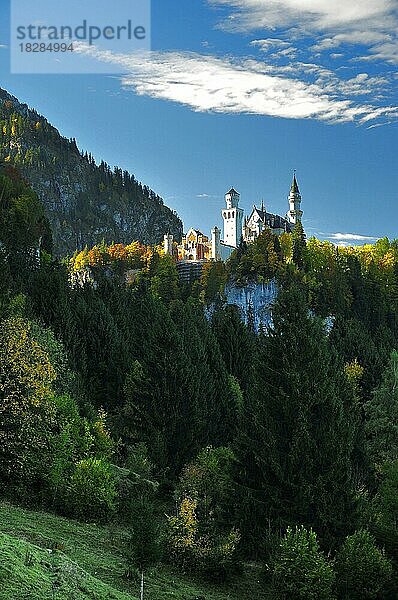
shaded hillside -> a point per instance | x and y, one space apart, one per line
89 563
84 202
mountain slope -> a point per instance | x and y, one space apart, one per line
28 572
84 202
95 553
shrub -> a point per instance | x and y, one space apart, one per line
77 439
26 404
208 552
363 571
92 490
300 570
200 537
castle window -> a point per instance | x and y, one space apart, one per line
233 214
229 215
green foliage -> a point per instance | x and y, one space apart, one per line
363 571
27 571
258 261
77 439
382 416
328 277
384 510
212 281
300 571
208 481
178 395
64 378
303 410
237 344
195 550
27 411
164 280
283 415
24 229
353 340
91 492
298 245
199 537
143 549
91 564
85 200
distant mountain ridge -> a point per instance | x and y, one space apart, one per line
84 202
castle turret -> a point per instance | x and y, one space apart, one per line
295 213
168 244
232 217
215 243
232 198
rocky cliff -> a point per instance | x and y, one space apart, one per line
255 301
84 202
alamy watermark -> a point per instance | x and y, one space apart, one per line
77 36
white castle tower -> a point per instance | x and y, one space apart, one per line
168 244
232 217
215 243
295 213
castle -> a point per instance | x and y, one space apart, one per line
197 247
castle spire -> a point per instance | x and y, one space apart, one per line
295 213
294 187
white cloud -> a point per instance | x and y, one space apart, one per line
369 23
365 38
250 15
269 43
351 237
222 85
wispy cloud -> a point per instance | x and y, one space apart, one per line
364 38
372 24
211 84
208 196
346 239
256 14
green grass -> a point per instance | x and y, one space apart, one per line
43 556
28 572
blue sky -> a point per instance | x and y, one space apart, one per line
241 92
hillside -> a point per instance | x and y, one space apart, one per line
88 564
200 445
84 202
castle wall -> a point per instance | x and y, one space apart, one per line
225 251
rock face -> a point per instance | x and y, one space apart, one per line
255 301
84 202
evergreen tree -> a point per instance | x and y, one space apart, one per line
298 245
382 416
237 344
296 446
143 550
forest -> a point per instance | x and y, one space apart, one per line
84 201
213 445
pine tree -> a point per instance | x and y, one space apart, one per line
143 549
298 245
297 440
237 344
382 416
